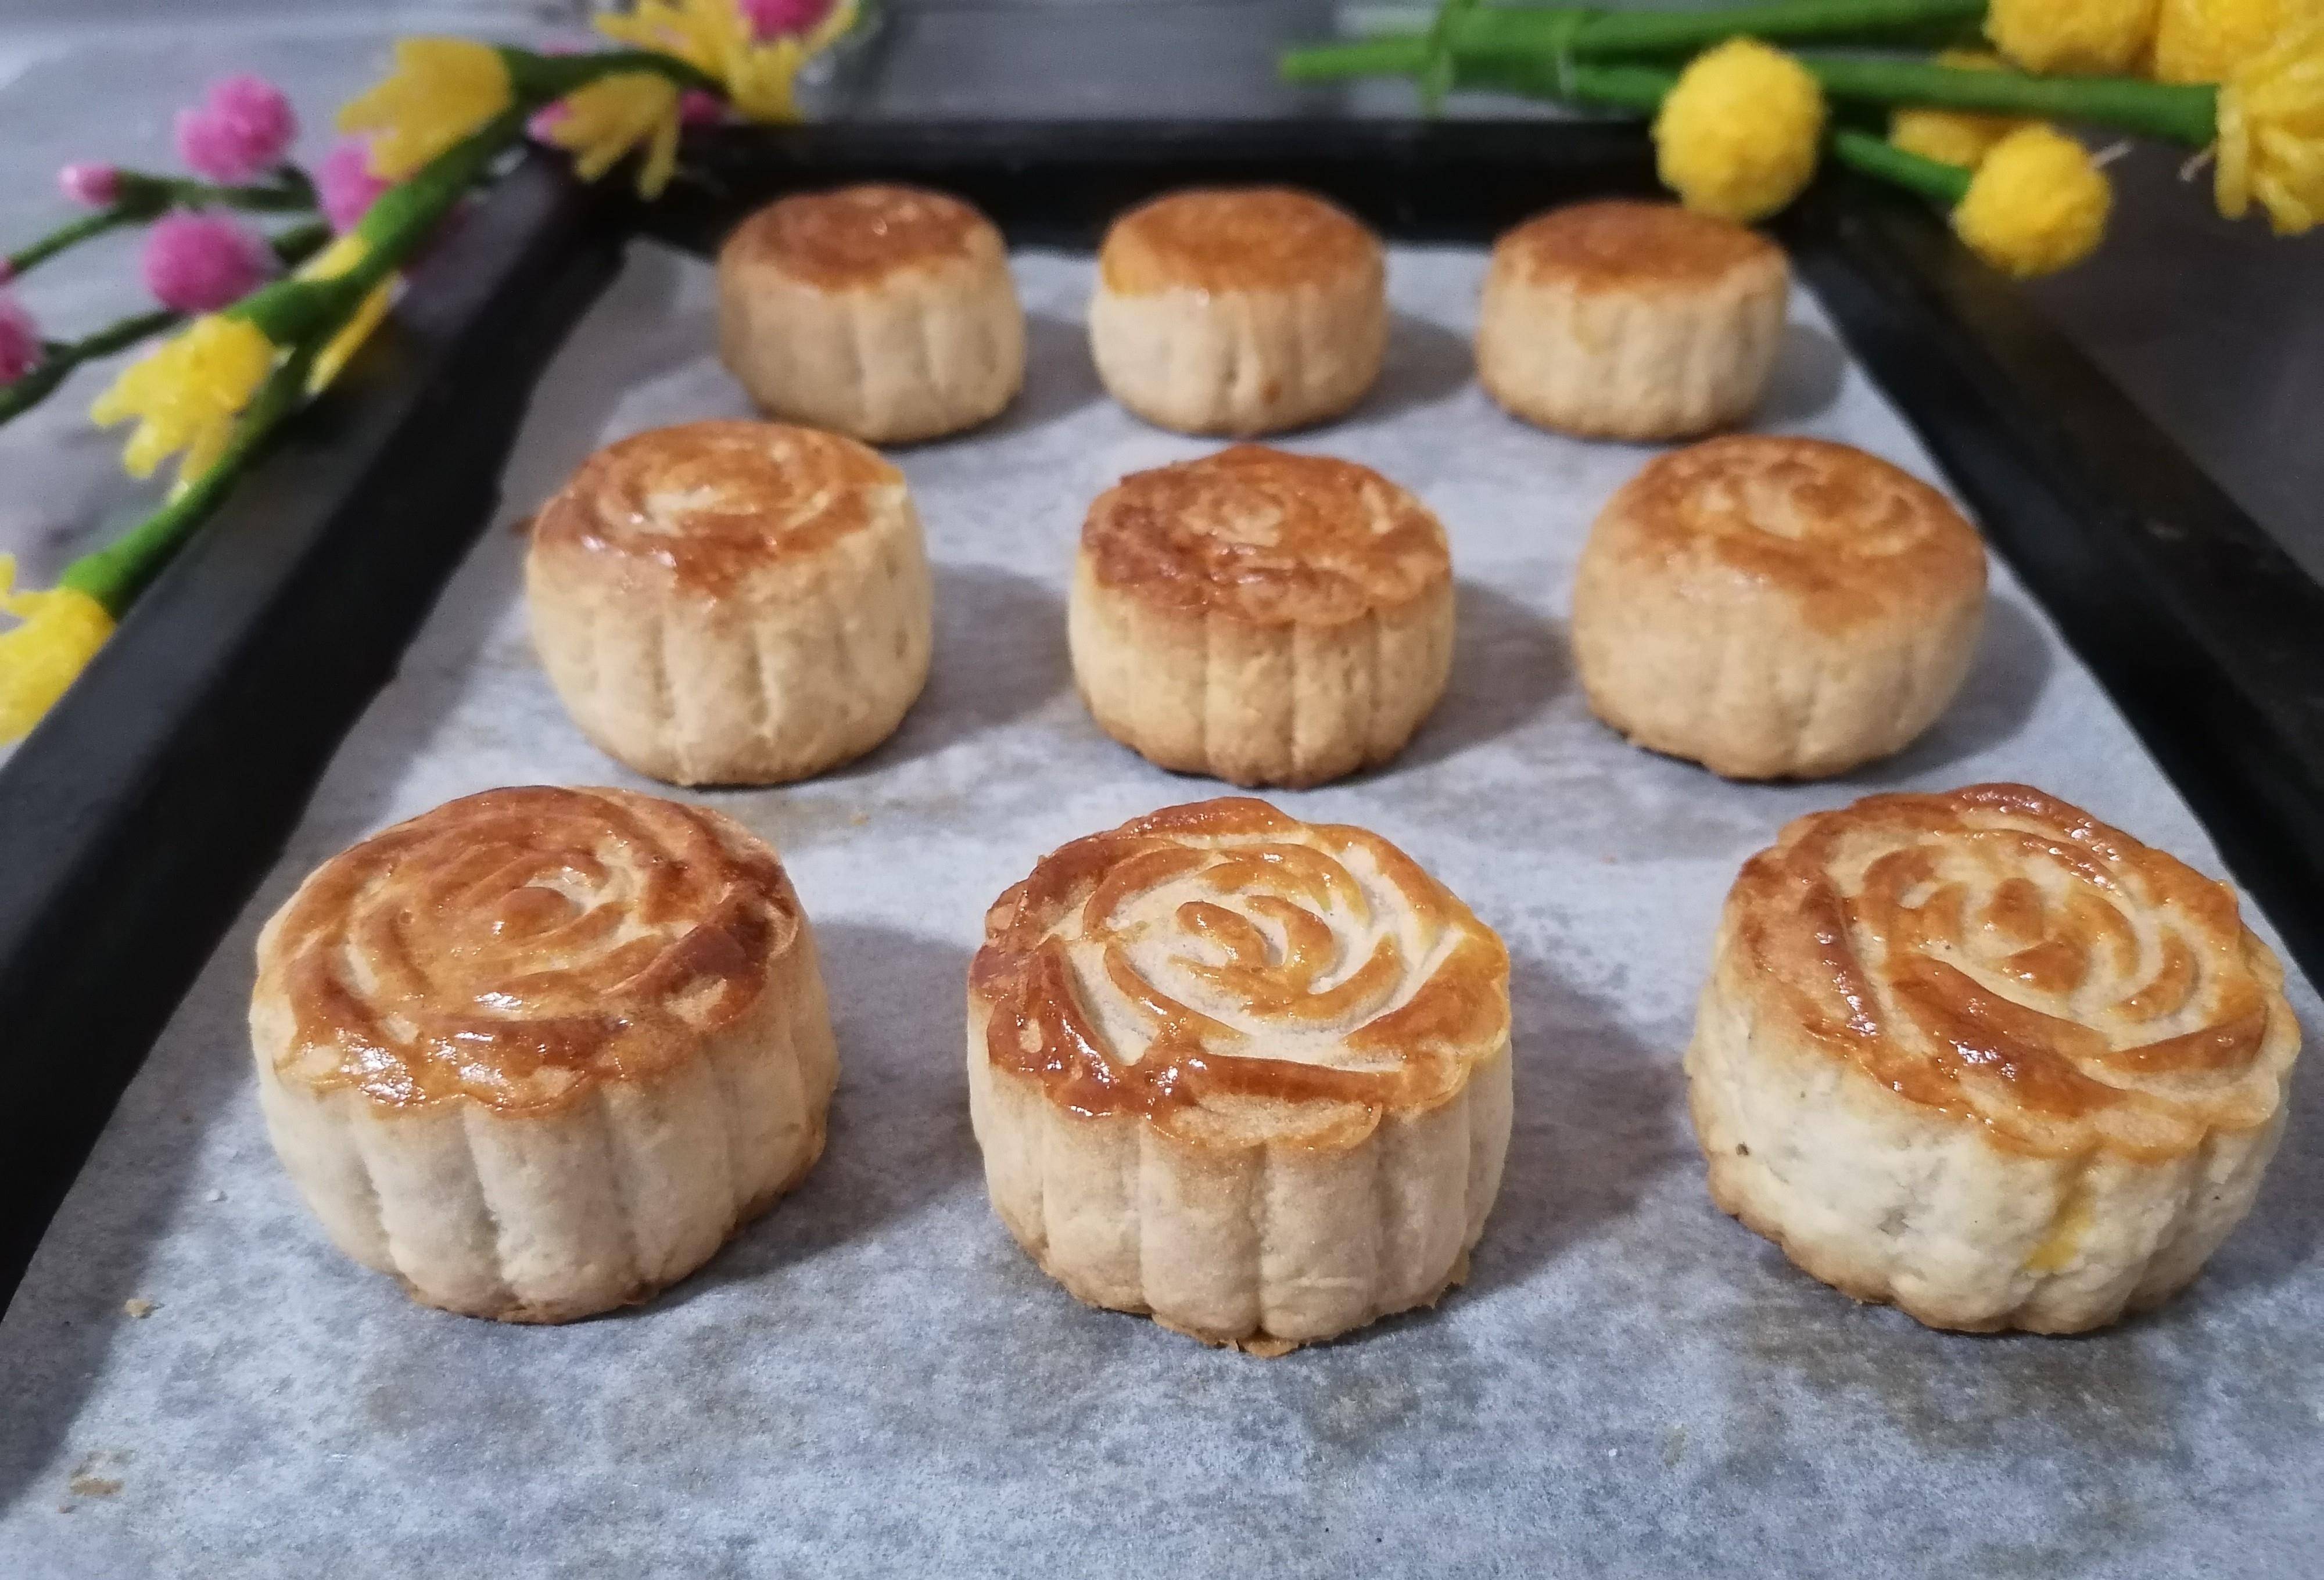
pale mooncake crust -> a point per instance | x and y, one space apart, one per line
1983 1057
883 312
1776 607
539 1051
1630 320
1264 617
733 602
1239 310
1246 1075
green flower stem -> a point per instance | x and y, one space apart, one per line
295 312
1943 184
1645 33
1530 32
60 357
288 192
304 313
406 214
115 575
1638 88
2186 113
144 197
1614 87
85 228
2182 114
294 246
1436 72
1642 88
540 79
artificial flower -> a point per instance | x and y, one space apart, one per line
716 39
185 394
441 91
2091 37
238 132
2037 204
20 341
97 186
2271 143
330 263
1955 137
1738 133
60 631
614 114
709 35
343 184
764 86
2204 41
200 263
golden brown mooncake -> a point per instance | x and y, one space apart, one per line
538 1052
886 313
1630 320
1984 1058
1776 608
1261 617
1240 310
733 602
1245 1074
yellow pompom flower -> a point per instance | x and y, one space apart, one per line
62 628
441 91
2203 41
2271 141
2092 37
714 38
328 264
2038 203
1738 133
1954 137
611 115
187 393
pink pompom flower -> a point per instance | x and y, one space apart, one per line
239 131
95 185
345 184
20 341
771 19
200 263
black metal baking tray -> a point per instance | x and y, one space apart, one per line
137 821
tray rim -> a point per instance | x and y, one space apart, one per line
112 900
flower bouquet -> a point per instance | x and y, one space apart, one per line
1746 100
254 324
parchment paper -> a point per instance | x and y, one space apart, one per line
874 1380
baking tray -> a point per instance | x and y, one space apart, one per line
1615 1317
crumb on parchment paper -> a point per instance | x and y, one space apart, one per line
88 1479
